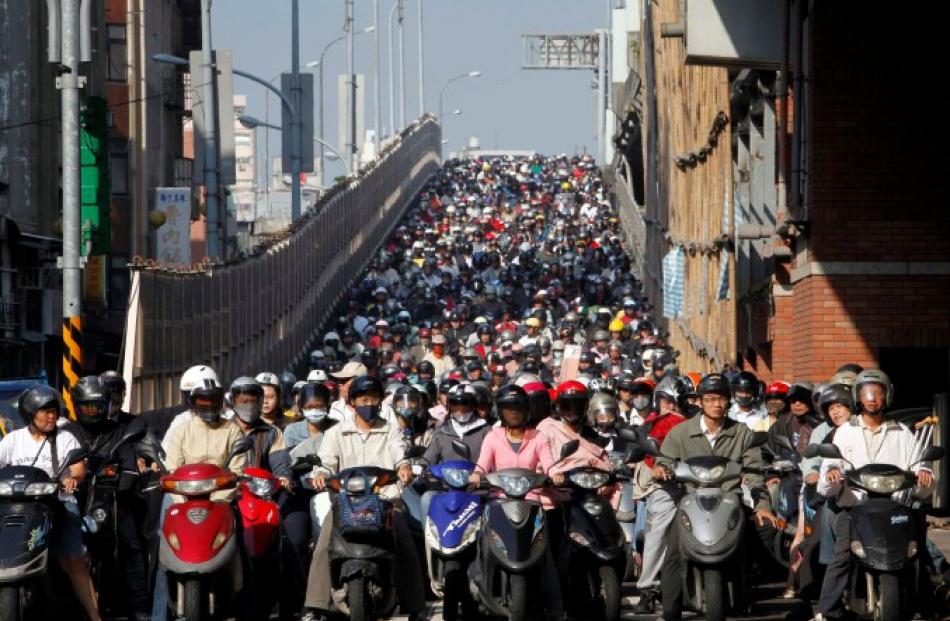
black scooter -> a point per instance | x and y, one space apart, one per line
28 500
598 546
885 565
507 576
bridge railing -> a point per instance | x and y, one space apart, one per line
264 311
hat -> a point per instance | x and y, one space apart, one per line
349 371
317 375
533 322
438 339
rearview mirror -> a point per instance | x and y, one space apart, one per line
628 434
933 453
129 436
810 452
829 451
759 438
462 449
649 446
72 458
781 441
243 445
415 451
568 449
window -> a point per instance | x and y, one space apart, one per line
119 166
116 52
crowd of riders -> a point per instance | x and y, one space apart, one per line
498 323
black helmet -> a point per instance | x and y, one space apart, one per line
37 398
747 382
209 390
714 383
462 395
835 393
484 328
426 367
114 383
313 390
512 397
91 401
364 384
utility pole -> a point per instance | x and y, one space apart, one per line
402 64
602 96
213 214
378 95
297 127
391 77
351 70
69 82
422 97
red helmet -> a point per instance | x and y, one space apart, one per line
571 389
777 390
572 399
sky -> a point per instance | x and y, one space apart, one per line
550 111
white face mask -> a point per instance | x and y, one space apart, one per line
463 417
641 403
315 415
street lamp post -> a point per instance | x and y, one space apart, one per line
392 80
250 122
422 100
470 74
456 112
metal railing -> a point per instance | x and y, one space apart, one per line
263 312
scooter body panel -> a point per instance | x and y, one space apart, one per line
197 536
24 539
885 530
593 528
515 531
260 525
710 524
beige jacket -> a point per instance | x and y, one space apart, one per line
197 442
443 366
345 447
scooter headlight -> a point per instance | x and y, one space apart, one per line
882 484
6 489
516 486
260 487
42 489
707 474
456 477
589 480
593 507
857 549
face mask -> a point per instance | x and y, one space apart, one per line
248 412
744 401
463 417
641 403
367 412
315 415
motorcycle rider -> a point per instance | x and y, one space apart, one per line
669 399
711 433
636 399
366 440
313 403
42 444
441 362
272 411
247 397
866 438
463 425
747 407
98 432
776 400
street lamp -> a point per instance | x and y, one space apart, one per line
470 74
251 122
320 63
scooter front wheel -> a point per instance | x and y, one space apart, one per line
517 597
609 593
10 603
358 600
888 606
714 595
196 604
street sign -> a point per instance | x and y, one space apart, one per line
559 51
306 119
173 239
224 82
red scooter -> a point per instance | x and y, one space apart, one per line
261 537
198 547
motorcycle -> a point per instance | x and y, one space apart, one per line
508 573
451 525
885 567
785 499
260 535
101 516
362 546
627 516
28 499
598 545
710 523
198 546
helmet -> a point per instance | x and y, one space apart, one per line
714 383
196 375
91 399
462 394
317 375
600 335
602 403
673 388
512 397
114 383
616 325
37 398
835 393
249 412
207 400
365 384
776 390
313 390
873 376
747 382
572 400
426 367
407 401
845 376
692 382
801 391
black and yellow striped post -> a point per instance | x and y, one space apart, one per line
72 360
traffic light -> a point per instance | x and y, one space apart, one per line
95 192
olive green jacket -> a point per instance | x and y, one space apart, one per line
688 440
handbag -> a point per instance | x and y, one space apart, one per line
361 514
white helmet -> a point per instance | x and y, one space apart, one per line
267 378
317 375
198 375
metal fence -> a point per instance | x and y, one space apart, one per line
263 312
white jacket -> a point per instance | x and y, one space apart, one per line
895 449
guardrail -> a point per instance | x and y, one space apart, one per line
263 312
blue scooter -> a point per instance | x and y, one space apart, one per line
452 524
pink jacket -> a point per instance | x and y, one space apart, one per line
534 454
588 454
